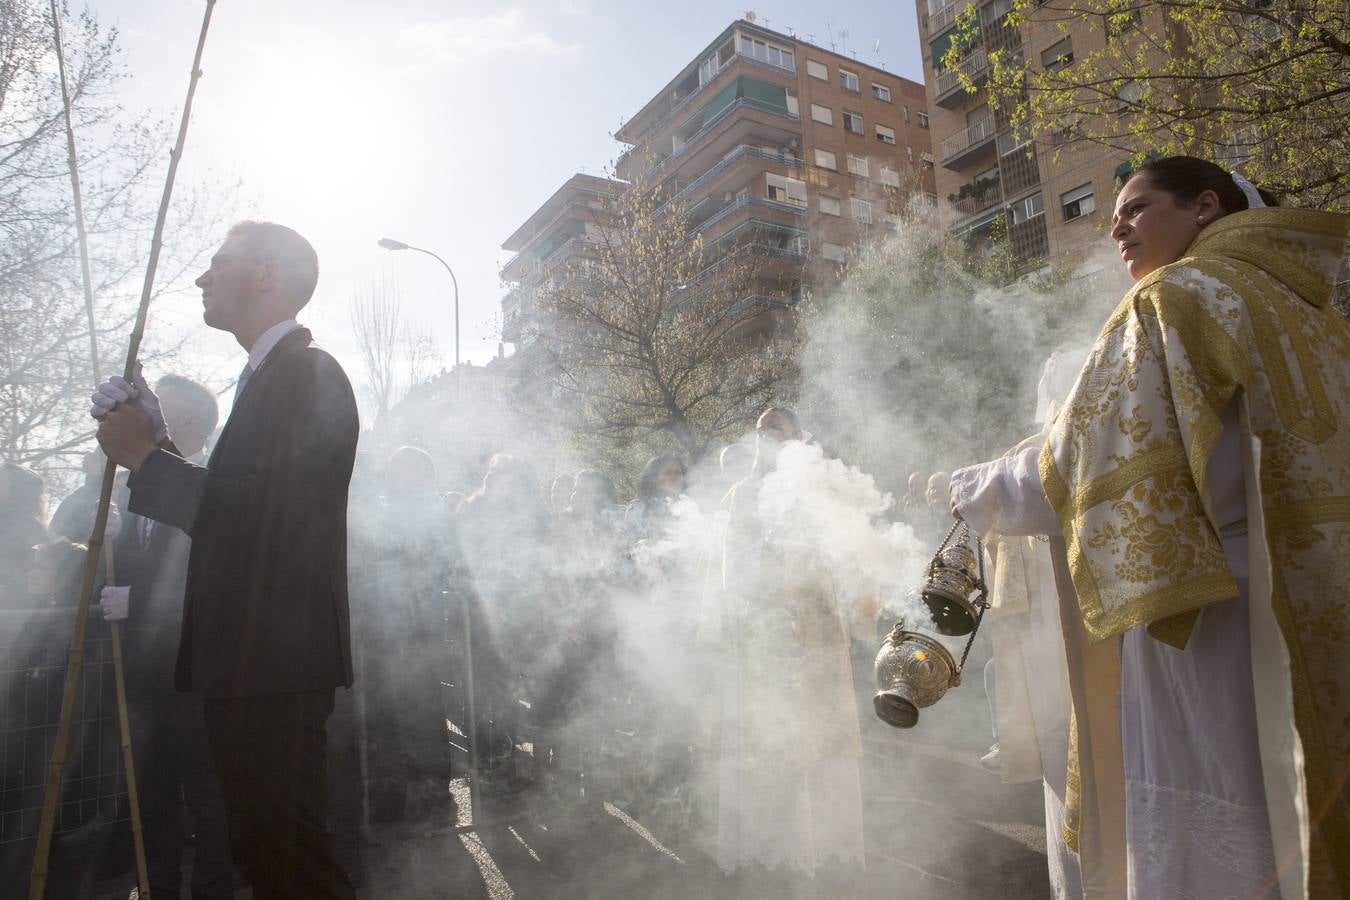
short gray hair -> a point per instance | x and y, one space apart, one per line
268 241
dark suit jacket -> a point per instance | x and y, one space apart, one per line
266 604
157 575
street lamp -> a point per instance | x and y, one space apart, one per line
391 244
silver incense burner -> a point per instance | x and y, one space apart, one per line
914 670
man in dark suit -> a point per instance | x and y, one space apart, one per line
167 728
265 636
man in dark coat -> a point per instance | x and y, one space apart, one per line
265 635
167 728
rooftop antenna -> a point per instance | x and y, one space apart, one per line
829 33
843 39
792 32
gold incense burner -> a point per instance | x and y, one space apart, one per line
914 670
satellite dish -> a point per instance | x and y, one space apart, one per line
750 16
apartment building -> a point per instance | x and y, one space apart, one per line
770 146
553 243
1055 199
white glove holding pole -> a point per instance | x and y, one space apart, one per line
117 390
115 601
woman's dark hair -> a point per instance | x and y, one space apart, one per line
1187 177
647 487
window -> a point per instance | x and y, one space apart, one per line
996 10
927 161
909 152
1077 202
792 105
931 198
1027 208
709 68
782 189
829 206
799 244
905 107
853 123
766 52
1129 95
1011 142
885 135
825 159
881 92
857 165
923 120
817 70
862 210
822 114
890 177
1057 55
832 252
848 80
1119 23
1064 132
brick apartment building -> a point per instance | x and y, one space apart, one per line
1057 199
772 145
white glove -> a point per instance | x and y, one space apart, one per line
116 390
115 601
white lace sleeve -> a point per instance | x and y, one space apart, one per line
1004 496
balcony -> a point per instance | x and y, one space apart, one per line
744 151
519 268
969 144
948 90
750 206
740 63
980 195
945 18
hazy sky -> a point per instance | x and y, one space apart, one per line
441 124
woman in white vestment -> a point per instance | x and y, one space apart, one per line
1208 706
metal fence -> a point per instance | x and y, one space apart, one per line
34 647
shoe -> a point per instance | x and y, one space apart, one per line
990 760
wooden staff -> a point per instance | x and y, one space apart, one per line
86 279
37 885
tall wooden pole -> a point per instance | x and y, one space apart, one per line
109 568
37 885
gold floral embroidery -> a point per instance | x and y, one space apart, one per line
1125 468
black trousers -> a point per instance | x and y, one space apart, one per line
172 761
271 759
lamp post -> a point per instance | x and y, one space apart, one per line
391 244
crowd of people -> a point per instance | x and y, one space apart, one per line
1168 593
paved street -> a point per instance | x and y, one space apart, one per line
938 826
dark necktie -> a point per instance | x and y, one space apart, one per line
239 385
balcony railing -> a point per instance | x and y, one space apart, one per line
740 203
741 152
966 138
683 102
973 64
742 103
548 262
944 18
972 206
